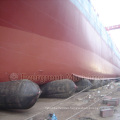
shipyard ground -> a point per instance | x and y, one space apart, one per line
85 104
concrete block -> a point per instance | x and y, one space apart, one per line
107 112
113 102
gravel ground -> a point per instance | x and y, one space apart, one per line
85 104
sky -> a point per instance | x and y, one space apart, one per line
109 15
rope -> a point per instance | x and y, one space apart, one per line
60 102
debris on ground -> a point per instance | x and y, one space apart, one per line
52 117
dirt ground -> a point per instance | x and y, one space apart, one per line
85 104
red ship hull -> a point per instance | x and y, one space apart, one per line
44 40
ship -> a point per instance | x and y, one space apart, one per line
48 40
